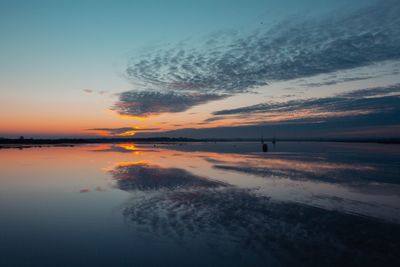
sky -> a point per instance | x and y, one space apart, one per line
211 68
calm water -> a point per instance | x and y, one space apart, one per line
224 204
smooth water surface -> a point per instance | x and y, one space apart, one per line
201 204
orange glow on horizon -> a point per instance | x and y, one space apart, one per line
124 116
101 147
108 133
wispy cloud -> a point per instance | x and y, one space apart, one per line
373 92
87 91
380 100
146 103
91 91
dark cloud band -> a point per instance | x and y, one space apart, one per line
146 103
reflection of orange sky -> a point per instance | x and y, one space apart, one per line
172 158
256 161
66 169
164 157
101 147
130 147
312 166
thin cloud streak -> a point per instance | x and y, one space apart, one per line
378 100
124 131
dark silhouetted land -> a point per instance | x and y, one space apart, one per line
29 142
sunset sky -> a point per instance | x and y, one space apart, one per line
210 68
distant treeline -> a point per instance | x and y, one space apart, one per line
31 141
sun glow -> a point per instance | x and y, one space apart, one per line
128 133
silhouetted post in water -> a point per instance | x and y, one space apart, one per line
264 146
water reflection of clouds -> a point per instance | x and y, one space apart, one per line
314 168
146 176
291 163
366 178
330 179
294 170
175 204
228 217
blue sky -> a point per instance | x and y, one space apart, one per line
68 66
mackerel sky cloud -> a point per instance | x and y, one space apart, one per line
288 50
197 66
176 78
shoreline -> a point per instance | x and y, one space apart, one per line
29 143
